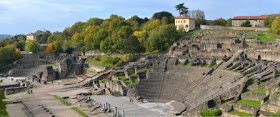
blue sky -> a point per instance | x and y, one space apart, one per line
25 16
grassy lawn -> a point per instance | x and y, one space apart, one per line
266 37
106 61
256 91
122 77
3 112
62 100
241 113
76 109
22 99
249 103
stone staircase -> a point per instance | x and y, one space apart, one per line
226 64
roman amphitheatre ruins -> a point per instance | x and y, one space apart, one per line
221 69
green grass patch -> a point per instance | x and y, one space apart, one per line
3 112
188 64
266 37
249 103
134 80
211 113
78 110
256 91
128 82
235 112
18 100
62 100
122 77
214 66
106 61
131 73
1 81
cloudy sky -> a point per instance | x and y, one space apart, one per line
25 16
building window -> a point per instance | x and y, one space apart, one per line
184 21
187 26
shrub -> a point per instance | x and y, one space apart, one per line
220 22
246 24
275 28
211 112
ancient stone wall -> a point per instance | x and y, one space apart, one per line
208 27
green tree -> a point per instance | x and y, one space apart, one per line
182 9
220 22
8 55
161 38
32 46
131 45
199 17
229 22
246 24
269 20
164 15
275 28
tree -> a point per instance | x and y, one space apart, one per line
54 48
8 55
246 24
161 38
32 46
229 22
131 45
269 20
220 22
199 17
275 28
164 15
182 9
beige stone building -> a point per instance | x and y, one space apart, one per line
30 36
185 23
255 21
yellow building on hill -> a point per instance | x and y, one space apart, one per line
185 23
30 36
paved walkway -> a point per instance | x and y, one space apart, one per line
42 96
16 110
134 109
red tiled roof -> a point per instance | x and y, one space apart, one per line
262 17
184 16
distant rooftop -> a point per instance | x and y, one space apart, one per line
183 16
262 17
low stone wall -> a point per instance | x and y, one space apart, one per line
13 90
253 96
208 27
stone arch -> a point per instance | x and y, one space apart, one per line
211 104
